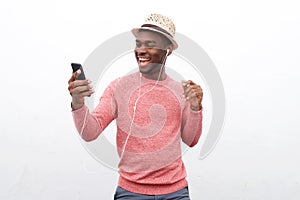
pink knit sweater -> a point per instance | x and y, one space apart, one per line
151 162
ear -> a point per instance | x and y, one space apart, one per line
169 50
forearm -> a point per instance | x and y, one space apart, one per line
192 127
91 129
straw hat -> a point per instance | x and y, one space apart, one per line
160 24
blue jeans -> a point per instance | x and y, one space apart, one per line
122 194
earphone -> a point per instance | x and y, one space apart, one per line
134 107
139 96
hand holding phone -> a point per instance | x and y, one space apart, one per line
79 87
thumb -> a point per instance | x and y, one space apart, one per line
74 76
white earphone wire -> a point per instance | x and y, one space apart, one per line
134 108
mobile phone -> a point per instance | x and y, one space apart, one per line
77 66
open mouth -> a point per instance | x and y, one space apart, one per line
143 60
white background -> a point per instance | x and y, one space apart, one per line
254 44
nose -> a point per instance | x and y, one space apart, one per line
140 50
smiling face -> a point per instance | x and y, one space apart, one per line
150 52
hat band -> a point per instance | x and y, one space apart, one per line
157 28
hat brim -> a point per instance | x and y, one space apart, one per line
135 32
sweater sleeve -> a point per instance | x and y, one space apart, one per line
191 128
100 118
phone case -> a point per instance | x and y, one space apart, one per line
75 67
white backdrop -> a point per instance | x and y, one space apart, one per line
254 45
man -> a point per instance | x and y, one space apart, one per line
153 114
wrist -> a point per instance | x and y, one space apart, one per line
196 108
76 106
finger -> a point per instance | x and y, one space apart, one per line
198 92
195 88
78 83
199 95
191 87
192 83
74 76
79 86
88 93
186 84
81 89
194 91
191 94
83 93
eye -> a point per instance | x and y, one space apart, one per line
150 45
138 44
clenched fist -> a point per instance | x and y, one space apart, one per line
193 93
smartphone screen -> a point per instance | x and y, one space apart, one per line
75 67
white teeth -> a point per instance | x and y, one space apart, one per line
144 59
